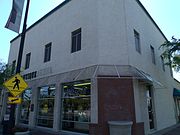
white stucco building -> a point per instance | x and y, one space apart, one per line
88 62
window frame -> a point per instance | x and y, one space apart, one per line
153 55
47 52
47 117
137 41
28 59
69 92
76 40
162 62
26 109
13 67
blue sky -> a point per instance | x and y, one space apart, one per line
166 14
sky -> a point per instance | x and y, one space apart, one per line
166 13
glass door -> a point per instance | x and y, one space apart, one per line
150 107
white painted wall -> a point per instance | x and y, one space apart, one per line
107 38
103 38
149 35
112 32
57 29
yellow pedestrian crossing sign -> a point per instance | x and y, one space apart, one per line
14 100
16 85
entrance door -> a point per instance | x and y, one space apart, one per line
177 108
76 106
150 107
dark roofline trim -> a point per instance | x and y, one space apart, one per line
141 5
45 16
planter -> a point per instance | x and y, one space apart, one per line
22 133
120 127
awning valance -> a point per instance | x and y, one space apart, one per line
176 92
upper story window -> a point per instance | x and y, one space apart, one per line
162 62
27 63
47 52
153 55
137 41
76 40
13 67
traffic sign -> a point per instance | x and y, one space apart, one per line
16 85
14 100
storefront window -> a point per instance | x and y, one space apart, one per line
25 106
46 106
76 106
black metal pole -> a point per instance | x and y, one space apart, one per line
23 34
18 68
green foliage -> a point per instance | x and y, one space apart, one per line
172 53
5 72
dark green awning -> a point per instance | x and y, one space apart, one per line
176 92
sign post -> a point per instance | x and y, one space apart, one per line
16 89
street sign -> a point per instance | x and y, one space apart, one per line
16 85
14 100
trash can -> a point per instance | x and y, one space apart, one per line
120 127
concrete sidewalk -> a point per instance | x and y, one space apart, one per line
173 130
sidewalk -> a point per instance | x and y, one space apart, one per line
174 130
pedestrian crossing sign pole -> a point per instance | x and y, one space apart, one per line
16 85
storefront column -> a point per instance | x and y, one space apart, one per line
4 96
94 101
33 108
57 106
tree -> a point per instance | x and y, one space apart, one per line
5 72
172 53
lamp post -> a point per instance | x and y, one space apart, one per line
18 68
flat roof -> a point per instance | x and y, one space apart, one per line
67 1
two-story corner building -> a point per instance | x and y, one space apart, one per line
88 62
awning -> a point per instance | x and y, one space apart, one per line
176 92
114 71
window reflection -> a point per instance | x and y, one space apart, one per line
46 106
76 106
25 106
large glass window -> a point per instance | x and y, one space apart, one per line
25 106
76 106
46 106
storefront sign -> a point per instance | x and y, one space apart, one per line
30 76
